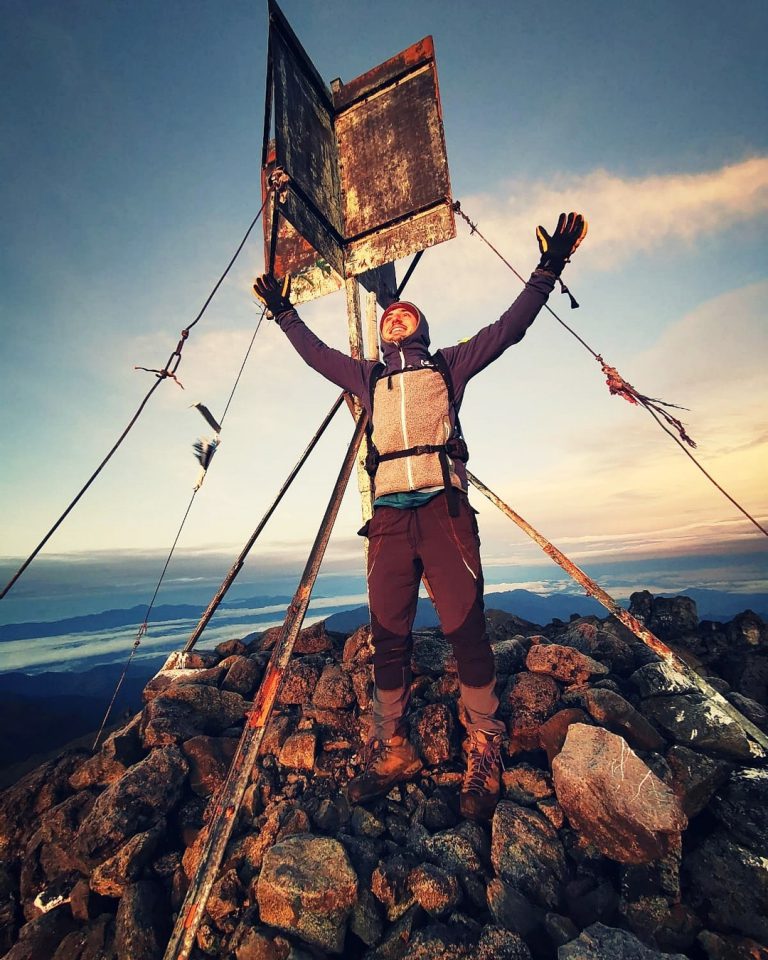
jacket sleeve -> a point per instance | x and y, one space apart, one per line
344 371
466 359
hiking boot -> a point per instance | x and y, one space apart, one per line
386 762
482 781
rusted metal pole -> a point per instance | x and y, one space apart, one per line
237 566
227 803
639 630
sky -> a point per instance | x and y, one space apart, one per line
130 144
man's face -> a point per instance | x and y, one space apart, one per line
398 324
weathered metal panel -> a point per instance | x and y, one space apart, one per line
401 239
368 174
306 148
395 184
384 74
312 275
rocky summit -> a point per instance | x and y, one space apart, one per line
632 823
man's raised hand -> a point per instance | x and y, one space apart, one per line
273 294
556 249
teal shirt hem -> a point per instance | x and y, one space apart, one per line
408 499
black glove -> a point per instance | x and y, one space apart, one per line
557 249
273 294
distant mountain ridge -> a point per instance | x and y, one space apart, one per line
538 608
125 617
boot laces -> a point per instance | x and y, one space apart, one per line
482 759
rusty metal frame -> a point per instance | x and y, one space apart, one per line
368 174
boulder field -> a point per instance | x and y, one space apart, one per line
633 823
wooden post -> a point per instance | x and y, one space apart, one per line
372 327
357 350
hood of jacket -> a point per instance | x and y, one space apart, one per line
414 348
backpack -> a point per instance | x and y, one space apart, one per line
455 447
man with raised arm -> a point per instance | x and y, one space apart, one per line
423 524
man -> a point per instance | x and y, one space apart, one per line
423 524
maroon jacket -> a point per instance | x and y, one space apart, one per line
464 360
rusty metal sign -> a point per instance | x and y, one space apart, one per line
367 169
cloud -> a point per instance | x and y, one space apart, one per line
631 214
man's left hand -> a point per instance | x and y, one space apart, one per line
556 250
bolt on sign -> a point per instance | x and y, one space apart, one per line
367 173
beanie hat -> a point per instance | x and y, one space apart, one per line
402 305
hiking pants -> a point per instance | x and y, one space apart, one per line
402 545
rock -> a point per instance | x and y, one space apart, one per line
170 680
366 920
454 850
124 745
434 889
146 793
601 643
498 944
307 887
616 713
389 884
209 761
279 728
563 663
591 900
742 807
512 909
250 943
670 618
611 797
599 942
98 771
433 732
226 899
720 947
231 648
282 820
363 823
526 784
22 804
314 639
334 689
50 857
437 941
656 678
552 734
728 885
530 702
182 712
396 943
752 710
358 648
142 927
692 720
362 684
648 892
747 673
432 654
527 854
242 676
85 904
111 877
510 654
695 777
94 942
301 677
39 938
298 751
560 929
